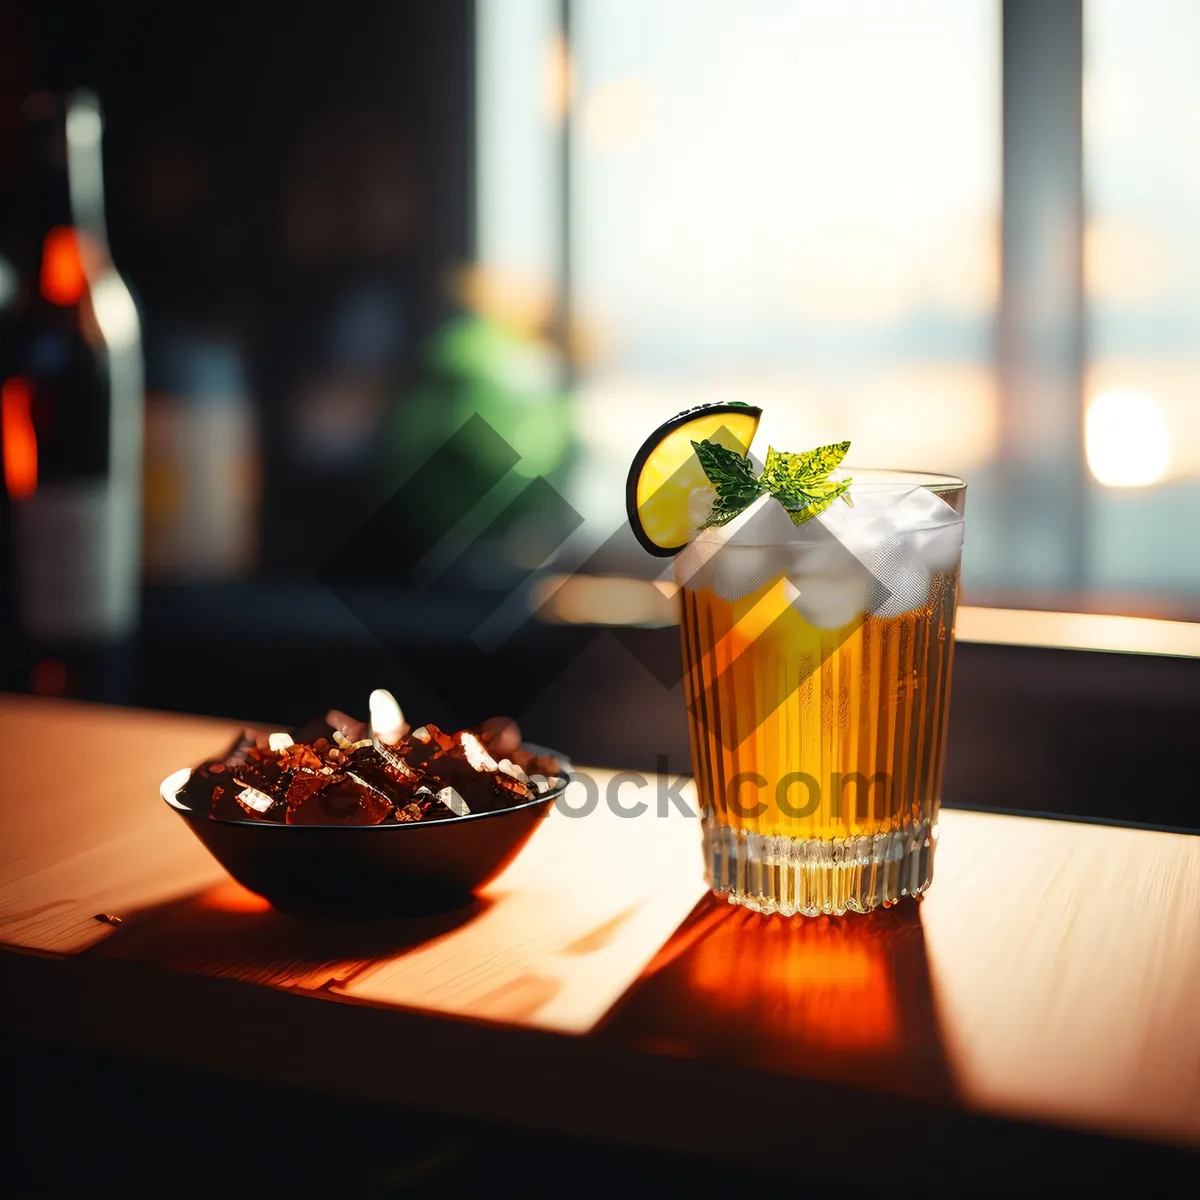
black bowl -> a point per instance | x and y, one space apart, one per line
367 870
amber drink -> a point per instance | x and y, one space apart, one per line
817 672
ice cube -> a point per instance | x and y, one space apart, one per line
830 601
903 513
737 558
939 547
877 556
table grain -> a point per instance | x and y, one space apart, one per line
1049 982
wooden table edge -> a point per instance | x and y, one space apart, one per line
516 1077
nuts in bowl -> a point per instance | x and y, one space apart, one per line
341 771
349 818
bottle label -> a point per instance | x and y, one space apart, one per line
77 561
201 488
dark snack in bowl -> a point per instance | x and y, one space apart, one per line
339 771
334 800
396 781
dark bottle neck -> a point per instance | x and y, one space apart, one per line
67 197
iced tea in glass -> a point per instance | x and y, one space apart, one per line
817 674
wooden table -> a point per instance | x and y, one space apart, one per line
1043 1000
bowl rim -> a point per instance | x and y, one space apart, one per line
170 787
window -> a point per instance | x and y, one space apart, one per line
832 211
1142 384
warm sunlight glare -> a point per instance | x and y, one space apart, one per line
617 115
1126 439
230 896
557 81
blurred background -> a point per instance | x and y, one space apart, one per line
340 372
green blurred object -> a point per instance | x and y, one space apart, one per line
477 366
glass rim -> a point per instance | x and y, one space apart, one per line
727 546
950 489
936 481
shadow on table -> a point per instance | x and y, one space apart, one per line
229 931
847 998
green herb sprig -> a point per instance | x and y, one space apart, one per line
800 482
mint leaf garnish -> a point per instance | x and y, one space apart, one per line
786 475
800 482
817 501
732 476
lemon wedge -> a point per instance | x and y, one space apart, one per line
667 494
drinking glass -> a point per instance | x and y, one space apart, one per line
817 677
